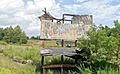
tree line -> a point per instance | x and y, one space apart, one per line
35 37
103 42
13 35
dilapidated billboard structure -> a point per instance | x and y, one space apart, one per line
68 29
74 28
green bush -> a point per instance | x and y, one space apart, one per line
109 70
13 35
3 43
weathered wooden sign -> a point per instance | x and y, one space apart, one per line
72 31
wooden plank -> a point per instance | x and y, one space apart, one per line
58 51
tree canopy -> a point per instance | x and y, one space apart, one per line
13 35
102 41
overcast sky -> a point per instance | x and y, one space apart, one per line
25 12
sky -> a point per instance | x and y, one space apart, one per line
26 12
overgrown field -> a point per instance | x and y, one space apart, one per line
31 51
22 52
7 66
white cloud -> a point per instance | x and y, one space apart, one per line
80 0
3 16
101 10
4 26
14 12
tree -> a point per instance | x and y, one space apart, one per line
13 35
9 33
16 36
1 33
116 34
35 37
103 42
19 36
23 38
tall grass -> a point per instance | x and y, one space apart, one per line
31 51
106 70
24 52
9 67
57 60
5 71
109 70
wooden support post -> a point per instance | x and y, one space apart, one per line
75 43
43 44
71 22
62 43
42 63
63 19
62 59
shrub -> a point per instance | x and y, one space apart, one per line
3 43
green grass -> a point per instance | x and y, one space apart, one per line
23 51
5 71
106 70
57 60
7 66
3 43
109 71
31 51
41 43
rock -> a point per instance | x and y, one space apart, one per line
16 58
29 61
23 61
1 54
